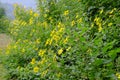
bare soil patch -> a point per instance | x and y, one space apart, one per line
4 40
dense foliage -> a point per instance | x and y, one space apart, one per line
4 21
2 12
60 42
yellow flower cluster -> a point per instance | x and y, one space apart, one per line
33 61
41 52
43 61
98 22
44 73
118 75
66 12
60 51
37 41
48 42
56 34
73 23
65 40
110 24
31 42
36 69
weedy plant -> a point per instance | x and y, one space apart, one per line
59 42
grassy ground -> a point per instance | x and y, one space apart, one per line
4 41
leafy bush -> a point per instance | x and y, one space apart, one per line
4 25
4 22
59 43
92 7
2 12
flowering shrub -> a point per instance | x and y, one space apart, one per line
59 43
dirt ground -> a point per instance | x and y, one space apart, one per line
4 40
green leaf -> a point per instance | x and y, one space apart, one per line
113 53
98 62
82 39
108 46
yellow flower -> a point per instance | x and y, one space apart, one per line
15 46
45 15
38 41
59 75
68 48
100 29
42 61
44 73
97 19
66 40
118 75
110 24
73 23
56 38
41 52
99 24
61 29
33 61
7 52
18 41
59 24
66 12
31 21
79 20
48 42
23 50
36 14
45 24
36 69
23 23
52 33
60 51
